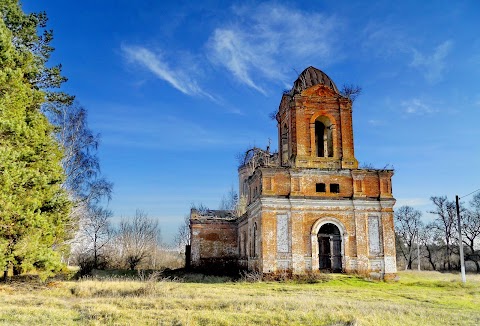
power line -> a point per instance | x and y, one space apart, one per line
470 193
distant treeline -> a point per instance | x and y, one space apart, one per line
435 245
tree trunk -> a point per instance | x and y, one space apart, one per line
17 269
95 257
449 265
430 260
410 261
5 273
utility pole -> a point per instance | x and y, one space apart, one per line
462 260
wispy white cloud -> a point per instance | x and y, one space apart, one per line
232 50
432 66
417 106
264 44
389 41
258 45
155 63
384 40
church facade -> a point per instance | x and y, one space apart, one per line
308 208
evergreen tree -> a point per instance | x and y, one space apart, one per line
34 209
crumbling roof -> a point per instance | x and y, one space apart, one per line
255 157
311 77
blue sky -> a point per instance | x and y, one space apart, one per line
176 89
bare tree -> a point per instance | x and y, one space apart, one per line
445 222
471 230
200 208
407 225
229 201
94 235
138 238
84 182
80 144
351 91
429 238
99 231
182 238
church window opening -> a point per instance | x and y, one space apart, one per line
334 188
320 187
323 138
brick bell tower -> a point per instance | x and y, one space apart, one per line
315 124
308 208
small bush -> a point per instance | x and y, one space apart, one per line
87 264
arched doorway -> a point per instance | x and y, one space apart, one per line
330 248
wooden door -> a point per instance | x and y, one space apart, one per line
324 252
336 253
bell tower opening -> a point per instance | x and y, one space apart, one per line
323 137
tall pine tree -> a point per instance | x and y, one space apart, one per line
34 209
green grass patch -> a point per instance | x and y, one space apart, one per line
424 298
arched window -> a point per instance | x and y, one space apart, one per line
284 144
323 137
245 188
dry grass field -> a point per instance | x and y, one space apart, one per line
418 298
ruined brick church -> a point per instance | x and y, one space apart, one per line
309 207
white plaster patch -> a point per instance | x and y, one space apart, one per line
282 233
390 265
374 235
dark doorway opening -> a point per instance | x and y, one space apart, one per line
330 248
